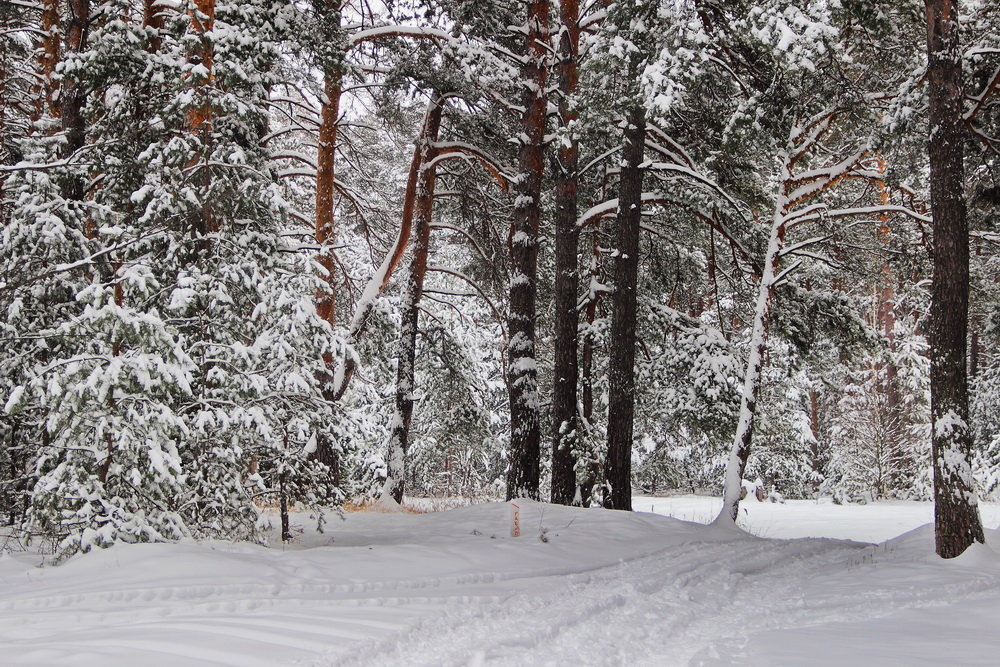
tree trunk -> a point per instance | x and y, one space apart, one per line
567 279
325 230
399 437
48 58
326 174
814 449
621 369
885 315
522 370
740 451
152 18
587 375
72 96
956 513
199 116
286 531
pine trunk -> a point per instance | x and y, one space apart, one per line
956 514
48 58
621 369
199 116
326 174
522 370
152 19
399 436
567 280
72 96
325 231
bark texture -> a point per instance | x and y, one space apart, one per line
956 514
522 370
48 57
326 229
152 19
565 431
621 367
73 96
326 175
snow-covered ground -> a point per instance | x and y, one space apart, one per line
588 587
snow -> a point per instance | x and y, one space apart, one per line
452 587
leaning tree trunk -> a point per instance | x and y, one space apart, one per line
740 451
567 279
522 370
621 368
399 436
956 513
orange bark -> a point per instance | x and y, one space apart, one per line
326 173
47 59
202 20
152 17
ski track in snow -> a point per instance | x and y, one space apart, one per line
665 609
642 590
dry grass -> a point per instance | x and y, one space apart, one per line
369 505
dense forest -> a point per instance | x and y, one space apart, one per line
287 253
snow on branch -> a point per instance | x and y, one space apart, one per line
384 31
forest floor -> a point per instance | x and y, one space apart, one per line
587 587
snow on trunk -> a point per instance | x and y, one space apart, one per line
956 513
399 435
740 451
522 369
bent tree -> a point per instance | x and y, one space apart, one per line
412 291
796 187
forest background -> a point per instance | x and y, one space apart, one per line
271 252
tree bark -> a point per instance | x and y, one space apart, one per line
565 432
199 116
743 438
814 448
621 369
956 514
152 19
522 370
399 436
72 96
587 375
48 58
326 229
